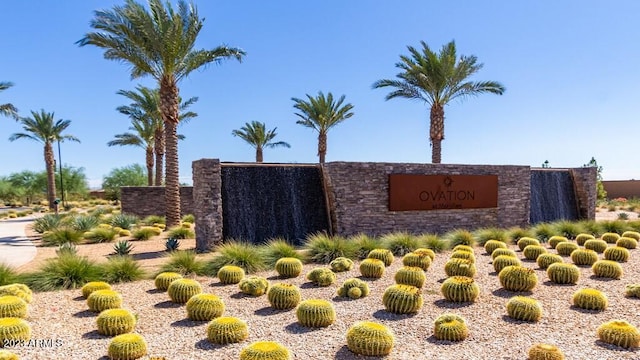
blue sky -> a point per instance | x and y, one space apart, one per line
570 69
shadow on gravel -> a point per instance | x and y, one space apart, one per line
166 305
432 340
510 320
205 344
385 315
93 334
445 304
85 314
603 344
268 310
551 283
309 285
295 328
219 284
345 354
593 277
188 323
584 311
506 294
241 295
79 298
341 299
154 291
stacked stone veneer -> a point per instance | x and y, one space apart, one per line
359 199
149 200
585 180
207 199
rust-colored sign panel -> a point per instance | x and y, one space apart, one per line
434 192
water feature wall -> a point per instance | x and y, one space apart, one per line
553 196
260 202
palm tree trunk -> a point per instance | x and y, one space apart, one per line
169 95
259 156
158 145
322 146
51 176
436 132
149 161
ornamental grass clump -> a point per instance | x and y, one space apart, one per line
101 300
265 350
450 327
582 238
555 240
617 253
524 308
460 237
288 267
204 307
372 268
485 235
526 241
119 269
460 267
92 286
322 249
545 260
563 273
460 289
185 263
254 285
421 260
386 256
364 244
545 352
100 235
12 307
610 237
277 249
402 299
341 264
566 248
13 328
230 274
284 296
401 243
410 275
322 276
241 254
607 269
503 252
369 338
503 261
518 278
590 299
584 257
597 245
181 290
145 232
627 242
164 279
63 272
127 347
620 333
181 232
112 322
491 245
315 313
227 330
353 288
60 236
531 252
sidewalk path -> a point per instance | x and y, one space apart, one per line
15 247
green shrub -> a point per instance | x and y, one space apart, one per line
365 244
315 313
568 229
241 254
323 249
123 221
591 227
543 231
190 218
524 308
83 223
100 234
127 347
492 233
401 243
460 237
63 272
450 327
545 352
7 274
402 299
620 333
370 339
434 243
614 226
279 248
121 269
48 222
154 219
184 262
179 232
590 299
66 249
144 233
60 236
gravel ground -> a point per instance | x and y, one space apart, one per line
63 316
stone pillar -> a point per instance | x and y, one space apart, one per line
207 203
584 180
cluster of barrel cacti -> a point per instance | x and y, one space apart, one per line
524 308
372 268
101 300
545 352
231 274
607 269
254 285
563 273
163 280
112 322
322 276
460 289
284 296
181 290
353 288
204 307
369 338
590 299
265 350
518 278
227 330
620 333
20 290
341 264
315 313
450 327
127 347
386 256
402 299
410 275
288 267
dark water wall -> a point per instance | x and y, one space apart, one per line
263 202
552 196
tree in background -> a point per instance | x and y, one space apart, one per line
42 127
159 42
321 114
32 186
10 195
437 79
7 109
131 175
142 133
602 193
255 134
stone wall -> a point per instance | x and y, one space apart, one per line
207 199
358 194
143 201
622 188
585 179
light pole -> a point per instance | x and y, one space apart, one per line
61 181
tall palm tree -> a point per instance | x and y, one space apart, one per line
255 133
146 103
143 129
159 42
437 79
321 114
8 109
42 128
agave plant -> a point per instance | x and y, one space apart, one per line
172 244
123 247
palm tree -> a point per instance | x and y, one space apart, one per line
143 129
256 135
8 109
321 114
42 128
146 103
437 79
158 42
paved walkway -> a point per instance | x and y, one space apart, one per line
15 247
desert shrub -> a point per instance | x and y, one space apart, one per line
244 255
84 223
491 233
48 222
543 231
568 229
184 262
435 243
323 249
64 272
7 274
144 233
60 236
123 221
180 232
400 243
121 269
591 227
515 233
66 248
460 237
614 226
365 244
279 248
154 219
190 218
100 234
